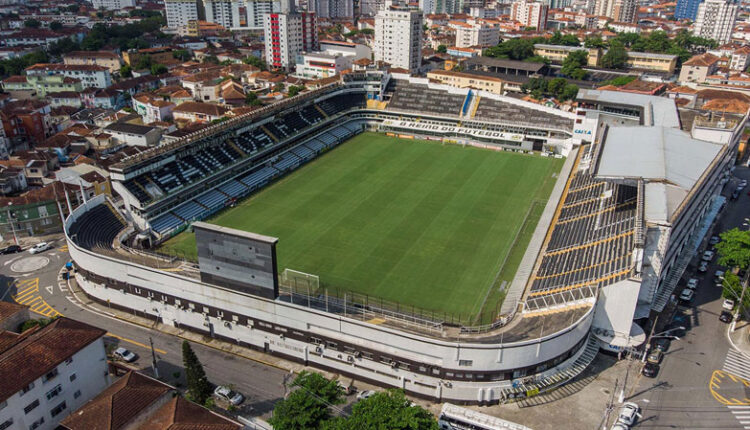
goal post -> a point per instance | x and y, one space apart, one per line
299 281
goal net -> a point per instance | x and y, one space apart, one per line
299 281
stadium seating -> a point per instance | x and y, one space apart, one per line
108 226
258 178
592 239
494 110
165 222
420 98
189 211
212 199
233 189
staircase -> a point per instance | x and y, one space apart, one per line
234 146
556 380
268 132
319 109
475 106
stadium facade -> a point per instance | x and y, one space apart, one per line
607 249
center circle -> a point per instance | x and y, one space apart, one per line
29 264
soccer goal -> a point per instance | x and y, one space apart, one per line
299 281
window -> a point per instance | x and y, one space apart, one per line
57 409
31 406
465 362
27 388
6 424
77 394
50 375
68 360
73 377
36 424
51 394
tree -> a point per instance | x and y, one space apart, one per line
126 71
567 40
734 248
573 63
181 54
594 42
307 407
442 49
278 87
255 61
158 69
514 49
32 23
211 59
619 81
55 26
252 99
368 31
144 62
294 90
732 289
199 389
385 410
616 57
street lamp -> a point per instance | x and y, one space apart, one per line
661 335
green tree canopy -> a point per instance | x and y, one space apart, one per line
442 49
255 61
252 99
32 23
158 69
307 407
513 49
616 57
734 248
294 90
385 410
573 63
199 389
55 25
181 54
594 42
126 71
567 40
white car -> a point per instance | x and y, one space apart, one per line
40 247
365 394
708 256
703 267
125 355
687 295
714 240
728 304
230 396
692 283
629 414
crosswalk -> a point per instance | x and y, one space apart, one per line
63 248
738 364
27 293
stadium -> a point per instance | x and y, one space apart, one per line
461 245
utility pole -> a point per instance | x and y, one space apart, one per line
742 298
153 358
648 339
621 397
610 407
12 227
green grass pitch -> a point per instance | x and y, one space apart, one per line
415 222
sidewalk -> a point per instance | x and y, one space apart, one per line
740 337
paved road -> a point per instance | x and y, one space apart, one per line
38 287
699 372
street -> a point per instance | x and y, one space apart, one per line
32 280
697 386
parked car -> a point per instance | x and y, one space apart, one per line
40 247
714 240
728 304
228 395
365 394
692 283
719 276
735 194
125 355
629 413
687 295
662 344
703 267
708 256
655 356
11 249
650 370
725 317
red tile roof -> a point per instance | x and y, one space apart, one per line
36 352
203 108
8 309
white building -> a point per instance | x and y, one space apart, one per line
332 58
179 12
112 4
529 13
50 373
398 37
134 134
441 6
715 20
288 35
239 14
332 8
90 75
476 33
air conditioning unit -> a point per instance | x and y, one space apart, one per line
350 359
227 324
319 350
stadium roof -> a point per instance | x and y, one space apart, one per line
667 159
660 111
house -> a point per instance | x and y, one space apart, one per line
12 315
134 134
26 122
107 59
199 112
65 98
139 402
152 109
19 87
33 36
232 93
698 68
48 372
89 75
12 180
740 59
105 98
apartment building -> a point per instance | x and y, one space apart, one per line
288 35
441 6
112 4
476 33
529 13
180 12
740 59
49 372
698 68
715 20
239 14
90 75
618 10
332 8
107 59
398 37
687 9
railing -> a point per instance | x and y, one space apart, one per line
560 299
640 236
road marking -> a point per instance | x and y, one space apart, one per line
124 339
50 289
27 293
63 248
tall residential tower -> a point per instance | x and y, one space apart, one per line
398 36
